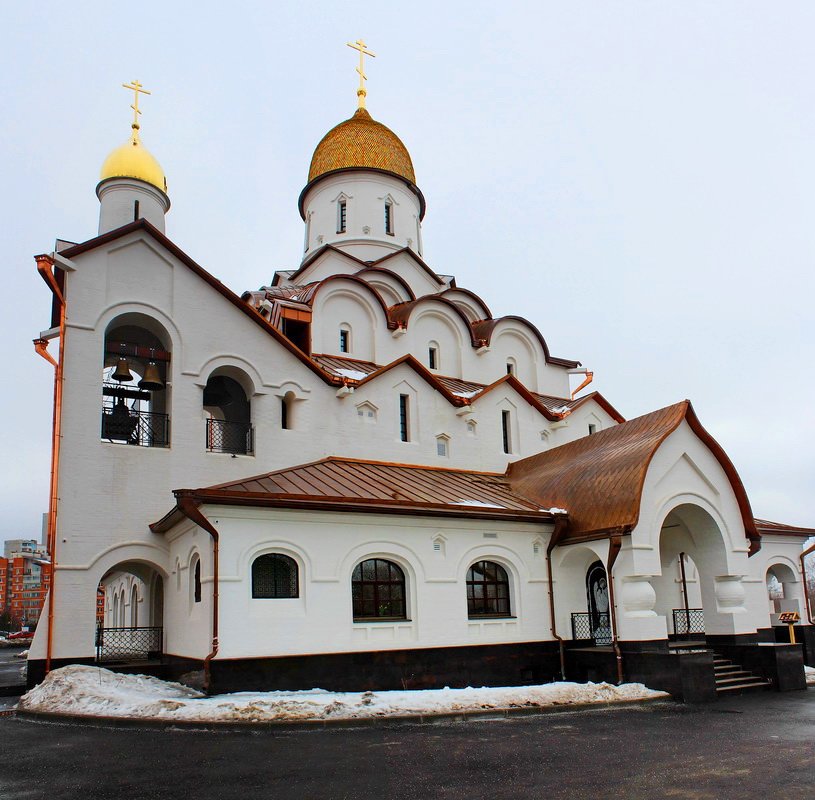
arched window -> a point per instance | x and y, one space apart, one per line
134 608
135 371
229 417
487 590
378 590
345 338
196 581
274 575
433 355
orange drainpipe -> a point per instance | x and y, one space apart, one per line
45 268
188 507
807 598
615 544
561 524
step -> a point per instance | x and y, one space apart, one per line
741 677
757 683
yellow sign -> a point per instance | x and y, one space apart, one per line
789 617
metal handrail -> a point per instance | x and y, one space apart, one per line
595 628
230 437
129 644
142 428
688 620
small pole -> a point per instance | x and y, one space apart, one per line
792 632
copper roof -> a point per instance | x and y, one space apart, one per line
766 526
361 141
599 479
340 367
353 484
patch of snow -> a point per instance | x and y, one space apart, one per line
476 503
353 374
561 410
467 395
80 689
554 510
810 675
24 654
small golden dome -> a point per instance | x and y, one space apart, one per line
361 142
133 160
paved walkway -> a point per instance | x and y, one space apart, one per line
760 745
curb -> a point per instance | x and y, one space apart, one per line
159 723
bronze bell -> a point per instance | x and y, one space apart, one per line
122 371
151 381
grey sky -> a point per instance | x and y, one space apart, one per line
634 177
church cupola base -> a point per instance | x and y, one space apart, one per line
124 200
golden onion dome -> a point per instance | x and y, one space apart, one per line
361 142
133 160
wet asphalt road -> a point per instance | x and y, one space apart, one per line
754 746
10 666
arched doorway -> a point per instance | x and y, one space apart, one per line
229 417
597 600
133 630
697 592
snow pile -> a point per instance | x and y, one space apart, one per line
810 675
94 691
24 654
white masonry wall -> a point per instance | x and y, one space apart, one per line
326 548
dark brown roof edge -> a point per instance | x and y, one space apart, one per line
143 224
768 527
371 506
602 402
484 329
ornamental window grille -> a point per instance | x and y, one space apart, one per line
404 429
342 216
487 590
378 590
274 576
389 218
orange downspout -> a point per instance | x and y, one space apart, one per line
807 598
615 544
561 524
190 510
44 267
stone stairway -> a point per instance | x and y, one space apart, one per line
732 679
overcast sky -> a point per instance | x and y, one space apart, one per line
636 178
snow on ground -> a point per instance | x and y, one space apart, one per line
95 691
24 654
810 673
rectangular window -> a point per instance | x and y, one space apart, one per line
345 345
432 358
505 421
510 368
404 432
342 212
389 219
284 414
441 447
592 429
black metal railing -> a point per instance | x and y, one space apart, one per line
128 644
595 628
129 426
230 437
688 620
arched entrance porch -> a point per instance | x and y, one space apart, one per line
698 591
132 623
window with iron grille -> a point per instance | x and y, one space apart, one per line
389 218
378 590
487 590
273 576
404 431
342 211
505 431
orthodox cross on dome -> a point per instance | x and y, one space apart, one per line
137 89
363 51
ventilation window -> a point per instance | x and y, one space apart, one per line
511 367
433 357
342 216
389 218
443 446
404 432
592 428
135 210
505 431
345 340
471 428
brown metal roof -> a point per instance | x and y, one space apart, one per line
334 365
352 484
766 526
599 479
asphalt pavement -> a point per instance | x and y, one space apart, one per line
760 745
10 666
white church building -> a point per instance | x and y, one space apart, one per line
356 477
